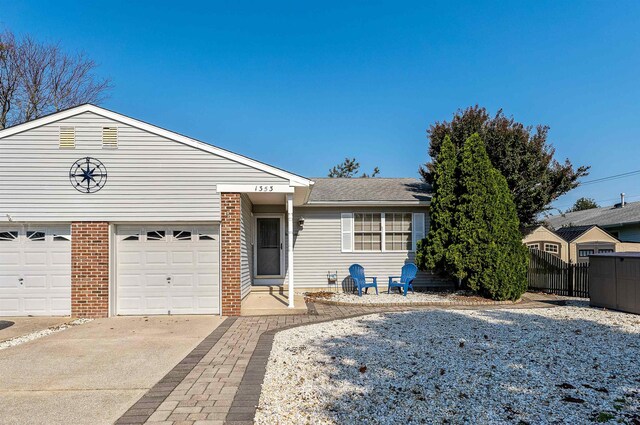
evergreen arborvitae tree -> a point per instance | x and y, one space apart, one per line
487 252
508 277
468 253
432 252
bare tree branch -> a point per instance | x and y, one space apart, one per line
37 79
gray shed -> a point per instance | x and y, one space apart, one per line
614 281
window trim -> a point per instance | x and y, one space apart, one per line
555 245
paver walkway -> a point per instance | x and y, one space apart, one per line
220 381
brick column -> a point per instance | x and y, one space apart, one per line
230 244
90 269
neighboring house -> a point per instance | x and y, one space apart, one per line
102 214
621 220
576 243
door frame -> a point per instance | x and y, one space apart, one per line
256 216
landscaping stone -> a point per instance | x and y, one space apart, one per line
570 364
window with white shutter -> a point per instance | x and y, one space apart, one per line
418 229
346 225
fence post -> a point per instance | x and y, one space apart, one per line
570 284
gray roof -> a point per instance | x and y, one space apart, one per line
604 216
402 190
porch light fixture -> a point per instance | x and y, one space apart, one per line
301 222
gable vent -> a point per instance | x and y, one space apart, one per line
67 137
109 137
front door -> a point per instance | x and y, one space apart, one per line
268 246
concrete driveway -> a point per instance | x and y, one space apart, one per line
92 373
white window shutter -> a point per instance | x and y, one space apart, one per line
346 225
418 229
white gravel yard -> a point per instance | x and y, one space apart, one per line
13 342
395 298
571 364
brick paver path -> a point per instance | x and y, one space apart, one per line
220 381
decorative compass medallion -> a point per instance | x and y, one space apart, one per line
88 175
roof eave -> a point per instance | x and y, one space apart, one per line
365 203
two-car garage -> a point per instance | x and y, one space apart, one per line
159 269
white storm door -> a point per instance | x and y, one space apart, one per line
35 270
167 270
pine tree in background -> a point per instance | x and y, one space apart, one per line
432 252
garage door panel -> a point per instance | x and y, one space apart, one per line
157 258
207 257
10 306
35 258
190 263
60 258
8 259
206 281
182 258
182 280
60 281
155 280
9 281
35 282
36 305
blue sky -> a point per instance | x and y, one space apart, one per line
301 85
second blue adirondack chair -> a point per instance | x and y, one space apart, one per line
356 271
409 272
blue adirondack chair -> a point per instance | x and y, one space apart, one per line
357 274
409 272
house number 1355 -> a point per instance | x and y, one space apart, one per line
263 189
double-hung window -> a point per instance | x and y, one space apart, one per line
367 232
380 232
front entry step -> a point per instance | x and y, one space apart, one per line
274 303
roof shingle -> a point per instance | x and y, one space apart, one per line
326 190
604 216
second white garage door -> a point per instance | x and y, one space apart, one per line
166 269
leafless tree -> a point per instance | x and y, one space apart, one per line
37 79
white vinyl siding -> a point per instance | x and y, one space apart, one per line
246 245
318 250
151 178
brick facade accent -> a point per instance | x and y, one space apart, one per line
90 269
230 244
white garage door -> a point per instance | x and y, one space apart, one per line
168 270
35 270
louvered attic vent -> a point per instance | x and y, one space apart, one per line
67 137
110 137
